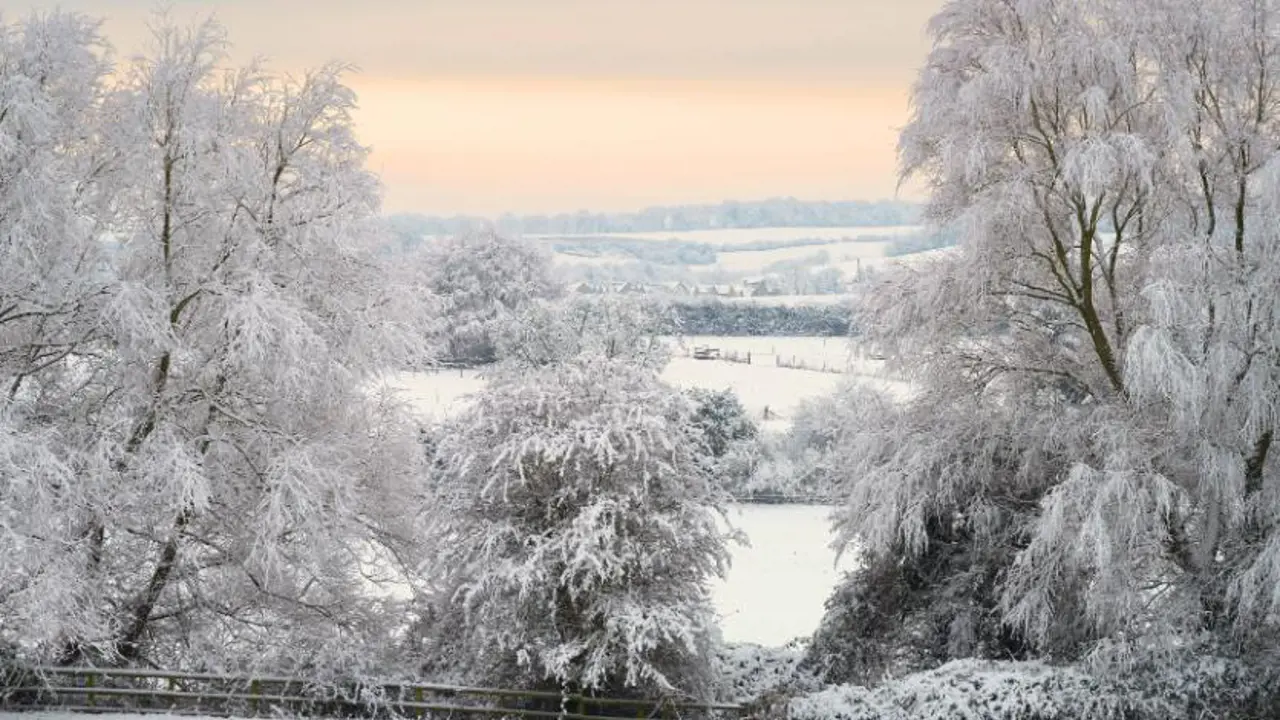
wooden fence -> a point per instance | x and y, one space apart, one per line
157 691
798 363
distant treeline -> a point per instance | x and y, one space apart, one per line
775 212
659 252
714 317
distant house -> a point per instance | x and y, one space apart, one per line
722 290
763 287
627 287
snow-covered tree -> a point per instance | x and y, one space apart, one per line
1096 375
221 474
51 283
613 325
51 70
723 419
576 529
483 279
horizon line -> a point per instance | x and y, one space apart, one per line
668 206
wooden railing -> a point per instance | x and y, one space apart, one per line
142 691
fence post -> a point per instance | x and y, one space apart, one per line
253 701
89 698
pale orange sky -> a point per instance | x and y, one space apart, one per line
482 106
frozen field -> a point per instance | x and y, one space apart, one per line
776 588
838 254
739 236
436 394
787 300
831 352
761 385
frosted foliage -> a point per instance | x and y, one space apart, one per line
577 530
1096 366
754 673
50 74
974 690
484 280
615 326
198 472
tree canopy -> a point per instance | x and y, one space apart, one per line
1088 455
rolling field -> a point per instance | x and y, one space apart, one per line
737 236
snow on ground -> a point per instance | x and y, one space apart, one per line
776 588
833 352
755 261
763 384
851 266
787 300
437 394
739 236
760 387
847 256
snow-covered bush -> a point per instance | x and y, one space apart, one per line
1182 686
749 672
723 419
972 690
575 528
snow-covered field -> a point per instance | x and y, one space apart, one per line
441 394
776 588
831 352
787 300
755 261
740 236
851 250
761 385
437 394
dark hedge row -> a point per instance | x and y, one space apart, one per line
713 317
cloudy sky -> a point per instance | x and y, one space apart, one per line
481 106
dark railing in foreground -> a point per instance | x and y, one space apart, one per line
142 691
